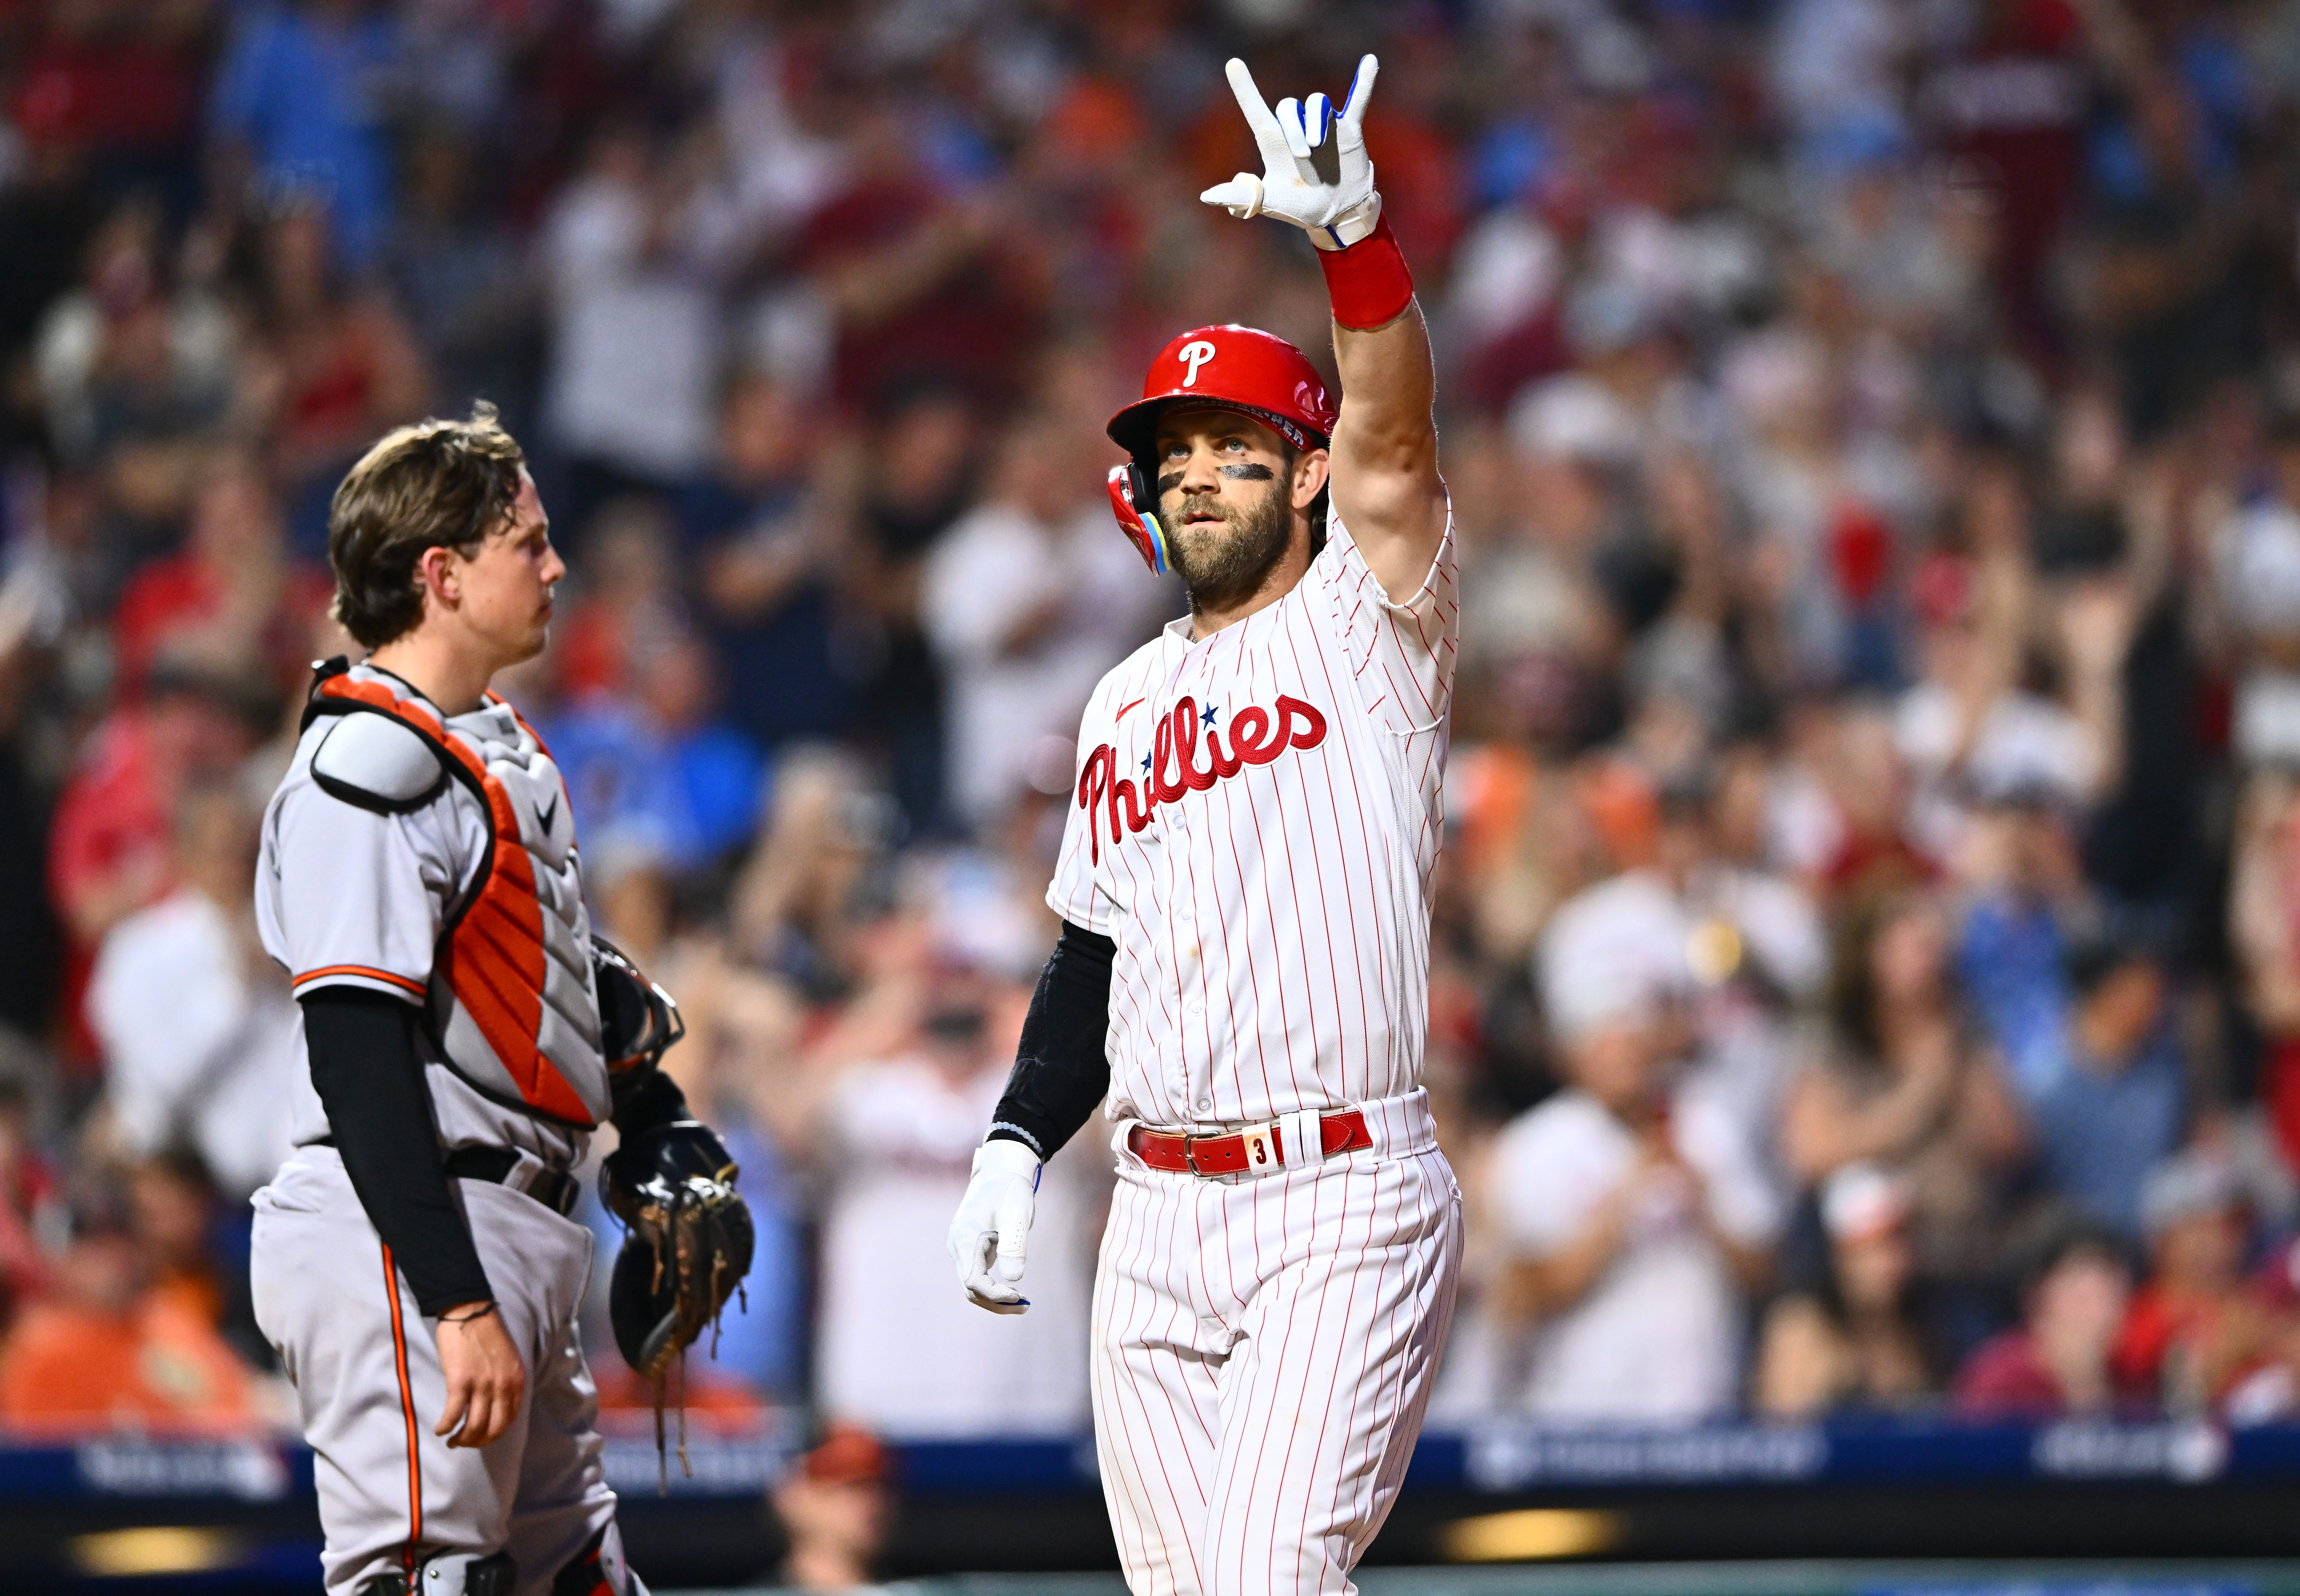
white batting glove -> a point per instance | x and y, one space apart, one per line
1325 190
992 1227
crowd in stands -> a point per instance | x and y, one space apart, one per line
1867 962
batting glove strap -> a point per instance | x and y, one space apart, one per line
1368 283
1352 227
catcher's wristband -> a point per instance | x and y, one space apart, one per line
1367 281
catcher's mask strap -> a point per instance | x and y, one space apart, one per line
666 1026
1137 510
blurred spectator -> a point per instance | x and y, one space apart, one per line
743 1030
201 1041
233 603
2258 576
635 342
1970 728
195 1248
800 904
33 1215
897 1351
835 1511
2263 928
2105 1088
655 774
467 286
2198 1336
108 855
1855 1340
1735 945
767 528
1638 1220
921 471
1901 1083
137 374
331 365
301 102
2060 1360
1027 599
109 1350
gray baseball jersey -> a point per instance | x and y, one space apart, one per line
433 857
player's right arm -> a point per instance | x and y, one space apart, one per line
355 895
369 1074
1060 1075
1062 1066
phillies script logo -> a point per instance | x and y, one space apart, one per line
1256 736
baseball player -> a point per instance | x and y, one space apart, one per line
414 1261
1243 963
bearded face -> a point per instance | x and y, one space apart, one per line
1225 489
1224 560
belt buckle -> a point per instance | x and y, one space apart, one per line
1190 1152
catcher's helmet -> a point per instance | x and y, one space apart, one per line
1228 368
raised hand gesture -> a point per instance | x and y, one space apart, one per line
1315 169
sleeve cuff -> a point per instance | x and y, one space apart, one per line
407 988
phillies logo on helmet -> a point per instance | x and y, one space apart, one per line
1231 368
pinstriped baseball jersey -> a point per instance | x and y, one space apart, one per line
1255 824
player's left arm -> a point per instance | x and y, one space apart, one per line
1317 176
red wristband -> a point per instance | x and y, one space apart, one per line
1367 282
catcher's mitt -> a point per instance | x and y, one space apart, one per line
689 1245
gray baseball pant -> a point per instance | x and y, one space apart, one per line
367 1378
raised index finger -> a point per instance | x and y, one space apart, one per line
1268 137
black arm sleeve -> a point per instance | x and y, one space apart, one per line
370 1078
1062 1070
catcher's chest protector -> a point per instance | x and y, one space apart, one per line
512 1001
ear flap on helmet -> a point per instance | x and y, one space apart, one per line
1137 510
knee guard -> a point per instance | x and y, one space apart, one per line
599 1569
450 1573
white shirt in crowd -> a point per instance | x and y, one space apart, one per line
1659 1336
2024 743
1634 935
636 342
994 568
195 1052
902 1352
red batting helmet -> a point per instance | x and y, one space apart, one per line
1229 368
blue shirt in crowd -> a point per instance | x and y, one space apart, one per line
308 96
2101 1128
690 797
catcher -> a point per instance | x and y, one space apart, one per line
414 1263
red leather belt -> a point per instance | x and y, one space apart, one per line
1257 1147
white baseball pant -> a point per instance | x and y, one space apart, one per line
366 1373
1264 1352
